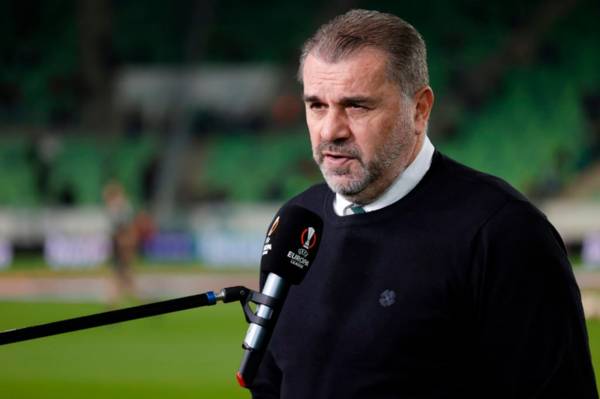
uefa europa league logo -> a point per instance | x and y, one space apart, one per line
307 238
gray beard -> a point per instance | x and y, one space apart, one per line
368 174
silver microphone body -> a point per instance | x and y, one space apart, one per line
274 287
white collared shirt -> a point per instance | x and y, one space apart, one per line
404 183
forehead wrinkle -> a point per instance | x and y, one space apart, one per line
349 76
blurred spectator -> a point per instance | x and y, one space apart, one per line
144 226
124 237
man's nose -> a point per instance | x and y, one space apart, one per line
336 126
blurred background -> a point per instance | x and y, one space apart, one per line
145 146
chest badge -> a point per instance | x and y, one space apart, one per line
387 298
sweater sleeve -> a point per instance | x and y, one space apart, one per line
532 340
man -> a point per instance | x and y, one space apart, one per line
433 280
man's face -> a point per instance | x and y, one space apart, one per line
361 126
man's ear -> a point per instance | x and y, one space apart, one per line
423 101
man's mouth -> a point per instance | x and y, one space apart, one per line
337 159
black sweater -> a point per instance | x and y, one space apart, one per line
461 289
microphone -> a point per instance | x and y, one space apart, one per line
290 247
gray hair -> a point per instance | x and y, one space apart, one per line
358 29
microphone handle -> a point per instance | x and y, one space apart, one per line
274 287
258 336
248 367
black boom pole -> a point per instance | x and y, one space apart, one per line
116 316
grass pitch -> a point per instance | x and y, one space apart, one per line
189 354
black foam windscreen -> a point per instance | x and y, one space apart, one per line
291 243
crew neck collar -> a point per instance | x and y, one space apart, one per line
402 185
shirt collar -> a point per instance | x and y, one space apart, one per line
404 183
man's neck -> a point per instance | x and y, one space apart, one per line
378 188
400 186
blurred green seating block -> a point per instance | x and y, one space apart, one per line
17 177
257 167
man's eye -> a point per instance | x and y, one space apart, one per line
357 106
317 106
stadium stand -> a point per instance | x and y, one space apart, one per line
262 161
532 110
128 161
77 172
17 177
